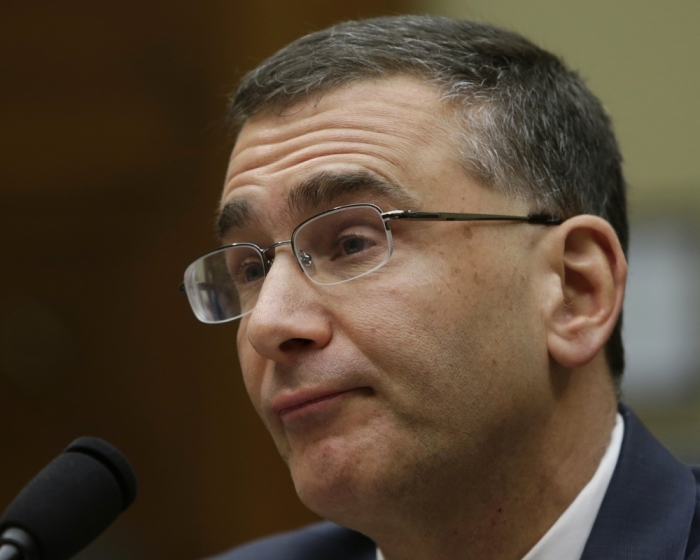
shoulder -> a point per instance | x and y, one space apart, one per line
321 541
694 540
651 508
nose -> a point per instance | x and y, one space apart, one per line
288 318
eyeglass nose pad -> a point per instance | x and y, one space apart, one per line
307 262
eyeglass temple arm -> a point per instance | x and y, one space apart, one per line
545 219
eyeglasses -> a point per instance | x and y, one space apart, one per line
333 247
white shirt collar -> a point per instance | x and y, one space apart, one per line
567 538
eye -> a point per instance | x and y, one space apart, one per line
244 270
341 243
353 245
252 272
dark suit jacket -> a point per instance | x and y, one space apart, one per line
651 511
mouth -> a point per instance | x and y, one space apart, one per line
307 402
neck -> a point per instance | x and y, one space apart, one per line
499 506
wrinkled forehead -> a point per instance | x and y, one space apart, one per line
391 87
404 100
365 137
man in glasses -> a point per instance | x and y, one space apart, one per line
438 390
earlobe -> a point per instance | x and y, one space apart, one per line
592 269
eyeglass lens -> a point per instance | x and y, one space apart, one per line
331 248
342 244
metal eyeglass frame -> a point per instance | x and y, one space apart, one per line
541 219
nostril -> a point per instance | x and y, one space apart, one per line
295 344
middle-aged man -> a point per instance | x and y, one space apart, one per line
424 232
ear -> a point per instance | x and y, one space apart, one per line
586 255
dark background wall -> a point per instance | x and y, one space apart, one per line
112 155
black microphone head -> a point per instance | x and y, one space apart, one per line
113 460
73 499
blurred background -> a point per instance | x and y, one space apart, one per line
113 152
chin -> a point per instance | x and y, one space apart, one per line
333 482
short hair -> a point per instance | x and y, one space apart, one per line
527 125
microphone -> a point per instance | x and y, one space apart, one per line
68 504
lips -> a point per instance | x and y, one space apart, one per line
284 406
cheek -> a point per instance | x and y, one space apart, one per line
401 327
448 327
252 367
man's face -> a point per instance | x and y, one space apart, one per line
427 371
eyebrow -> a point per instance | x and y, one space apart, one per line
234 215
323 190
318 193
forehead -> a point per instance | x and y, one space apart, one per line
394 132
